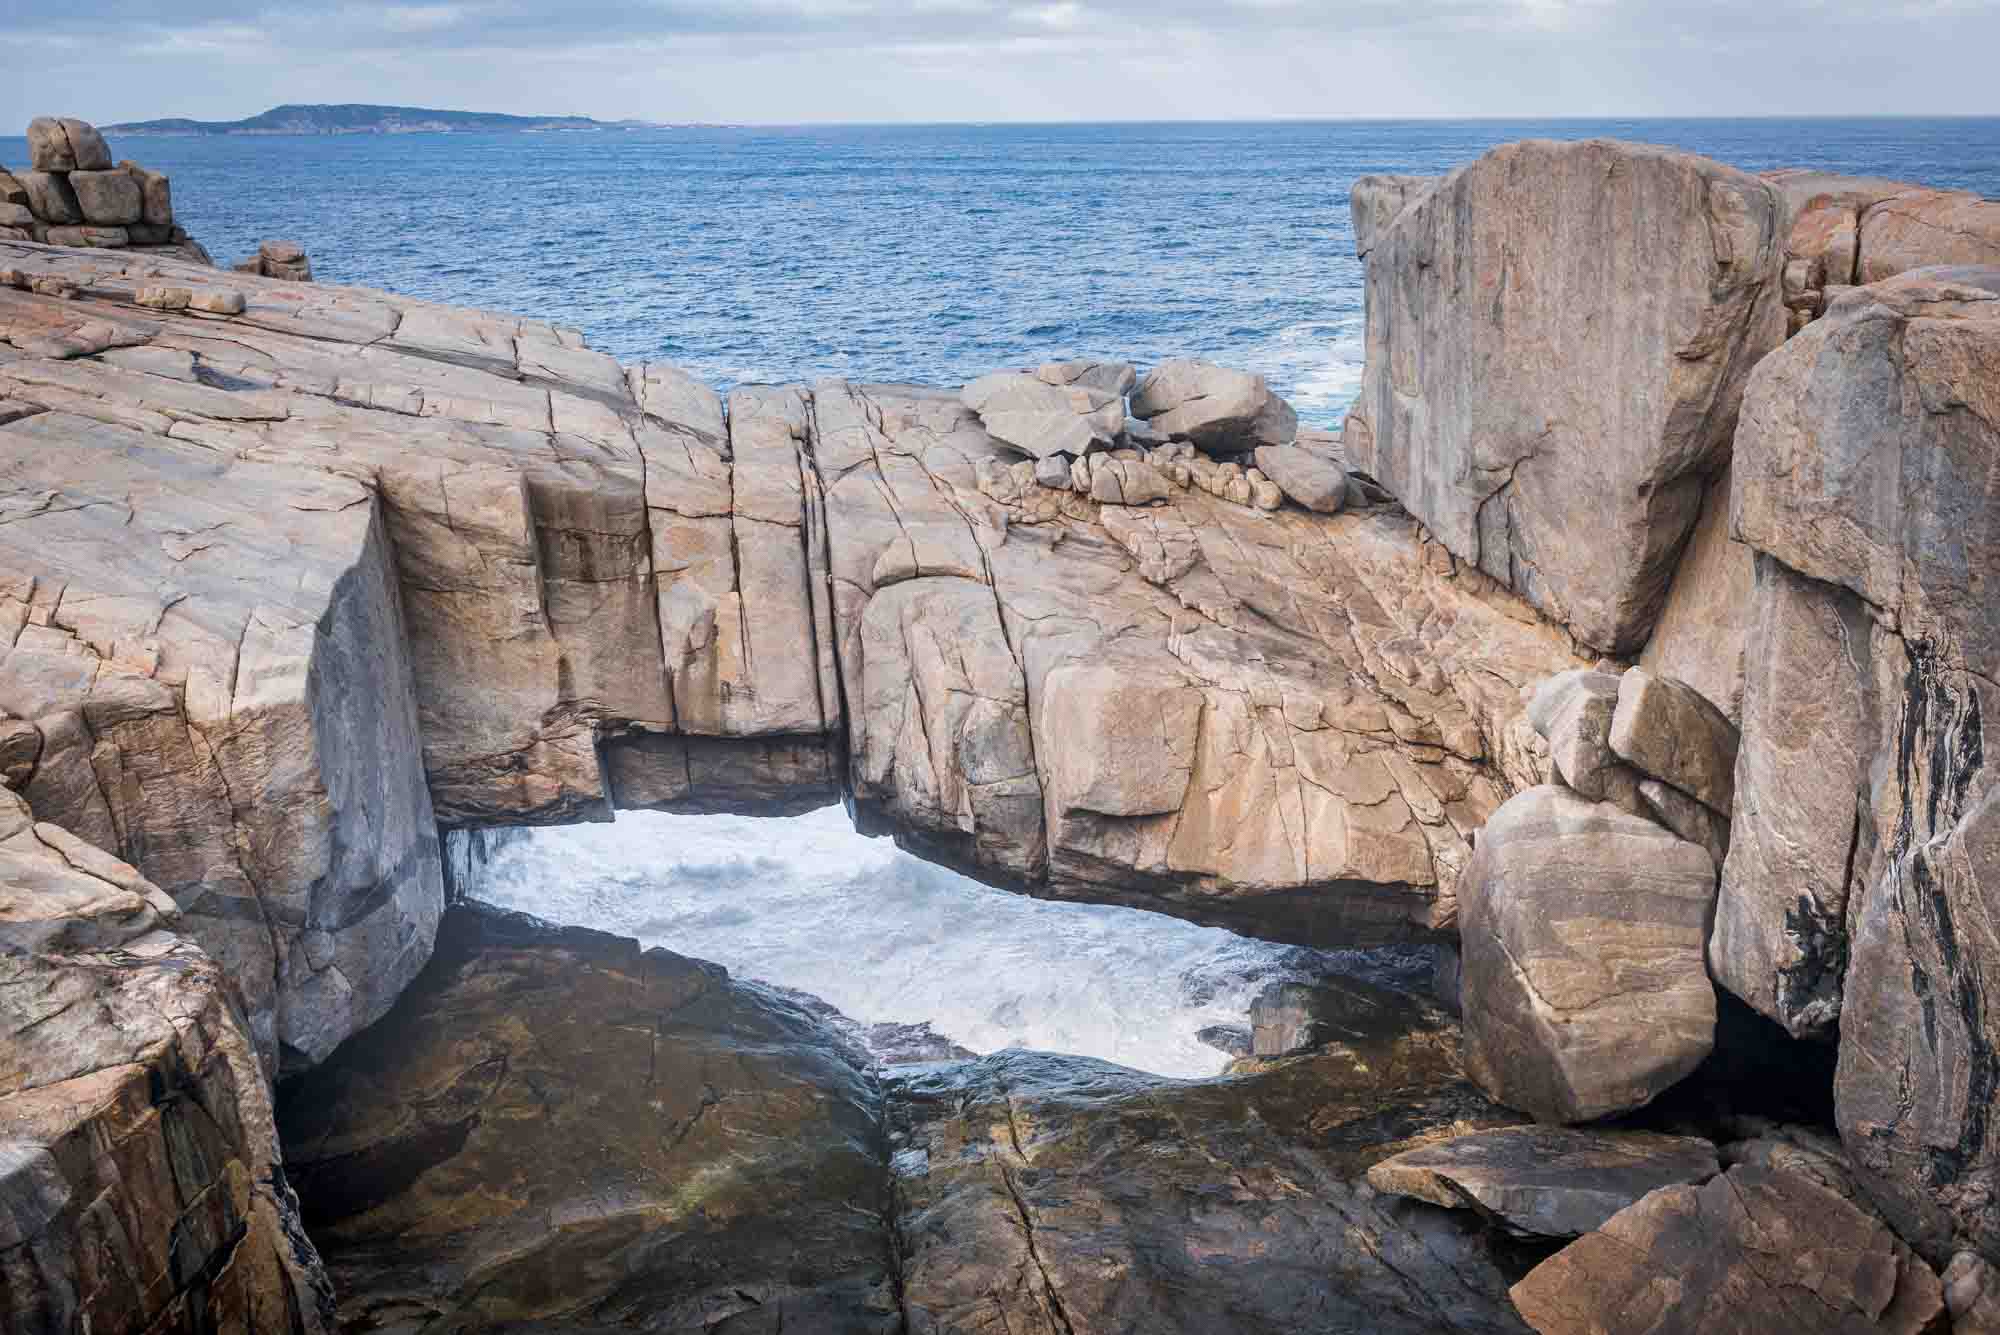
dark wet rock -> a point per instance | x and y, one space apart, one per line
1233 1040
1541 1181
1291 1017
1064 1195
553 1125
1752 1252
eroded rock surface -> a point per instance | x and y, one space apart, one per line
596 586
1501 301
1585 992
140 1182
1862 861
554 1126
1040 1193
1541 1181
1754 1251
555 1130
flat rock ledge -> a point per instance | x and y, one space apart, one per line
1546 1182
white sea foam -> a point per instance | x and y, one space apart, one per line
810 904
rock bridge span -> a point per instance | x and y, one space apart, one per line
292 588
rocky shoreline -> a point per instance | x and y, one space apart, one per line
1634 642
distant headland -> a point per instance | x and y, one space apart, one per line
364 118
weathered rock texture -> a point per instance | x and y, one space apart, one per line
298 576
1502 300
558 1131
1583 983
553 1126
1863 861
140 1184
1753 1252
1542 1181
1221 411
74 196
278 259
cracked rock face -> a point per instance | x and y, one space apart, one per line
1755 1251
1862 865
1542 1181
1482 406
555 1130
1584 988
139 1178
296 577
555 1126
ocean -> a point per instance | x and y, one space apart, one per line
930 254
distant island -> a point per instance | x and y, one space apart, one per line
362 118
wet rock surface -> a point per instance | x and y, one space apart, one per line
555 1126
555 1130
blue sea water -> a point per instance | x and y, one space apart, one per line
934 254
926 253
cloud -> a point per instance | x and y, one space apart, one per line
788 60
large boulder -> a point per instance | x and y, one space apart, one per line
1753 1252
1221 411
1780 936
1582 928
65 144
1506 302
1544 1181
1914 231
1376 199
1312 480
108 198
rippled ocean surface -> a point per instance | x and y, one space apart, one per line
924 253
931 254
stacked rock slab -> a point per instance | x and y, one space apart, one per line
1502 299
74 195
299 577
1218 410
139 1187
278 259
1864 857
1850 230
1542 1181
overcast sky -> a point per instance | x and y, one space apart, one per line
784 61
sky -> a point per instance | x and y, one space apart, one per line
805 61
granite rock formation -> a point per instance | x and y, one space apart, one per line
558 1128
1502 298
1753 1251
278 259
582 586
73 195
141 1187
1541 1181
1583 985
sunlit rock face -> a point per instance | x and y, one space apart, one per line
297 576
1503 300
